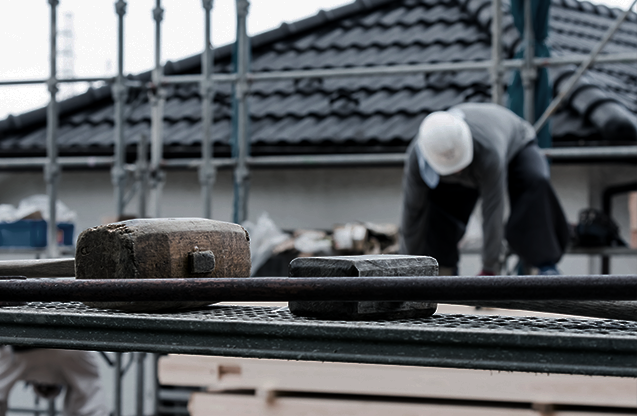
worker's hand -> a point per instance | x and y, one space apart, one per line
485 273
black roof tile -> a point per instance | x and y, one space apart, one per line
357 112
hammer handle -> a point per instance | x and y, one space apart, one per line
38 267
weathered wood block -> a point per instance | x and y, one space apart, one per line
363 266
162 248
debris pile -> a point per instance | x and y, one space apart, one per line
344 239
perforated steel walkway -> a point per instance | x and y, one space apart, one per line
576 346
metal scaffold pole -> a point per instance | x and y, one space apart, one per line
158 99
207 171
52 169
496 52
140 359
529 71
118 174
117 387
141 174
241 172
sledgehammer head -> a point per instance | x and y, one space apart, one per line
162 248
363 266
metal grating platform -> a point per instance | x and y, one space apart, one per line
575 346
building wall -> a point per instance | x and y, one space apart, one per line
318 198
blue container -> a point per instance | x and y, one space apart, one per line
23 233
65 233
32 233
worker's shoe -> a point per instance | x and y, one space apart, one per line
548 270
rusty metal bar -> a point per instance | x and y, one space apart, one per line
439 288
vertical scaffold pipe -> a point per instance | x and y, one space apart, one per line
52 168
140 359
117 405
141 174
529 73
157 99
207 172
118 174
241 172
496 52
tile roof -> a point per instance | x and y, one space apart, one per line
364 113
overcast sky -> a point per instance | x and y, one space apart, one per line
24 36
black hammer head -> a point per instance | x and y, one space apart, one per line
363 266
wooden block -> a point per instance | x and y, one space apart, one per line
221 373
162 248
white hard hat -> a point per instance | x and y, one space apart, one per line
444 139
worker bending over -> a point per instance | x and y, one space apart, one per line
482 150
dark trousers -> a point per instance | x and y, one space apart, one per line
537 230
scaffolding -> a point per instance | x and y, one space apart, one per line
150 175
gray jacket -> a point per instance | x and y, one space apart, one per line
498 134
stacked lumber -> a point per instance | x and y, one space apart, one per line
237 386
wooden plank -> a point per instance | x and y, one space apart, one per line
202 404
206 404
221 373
